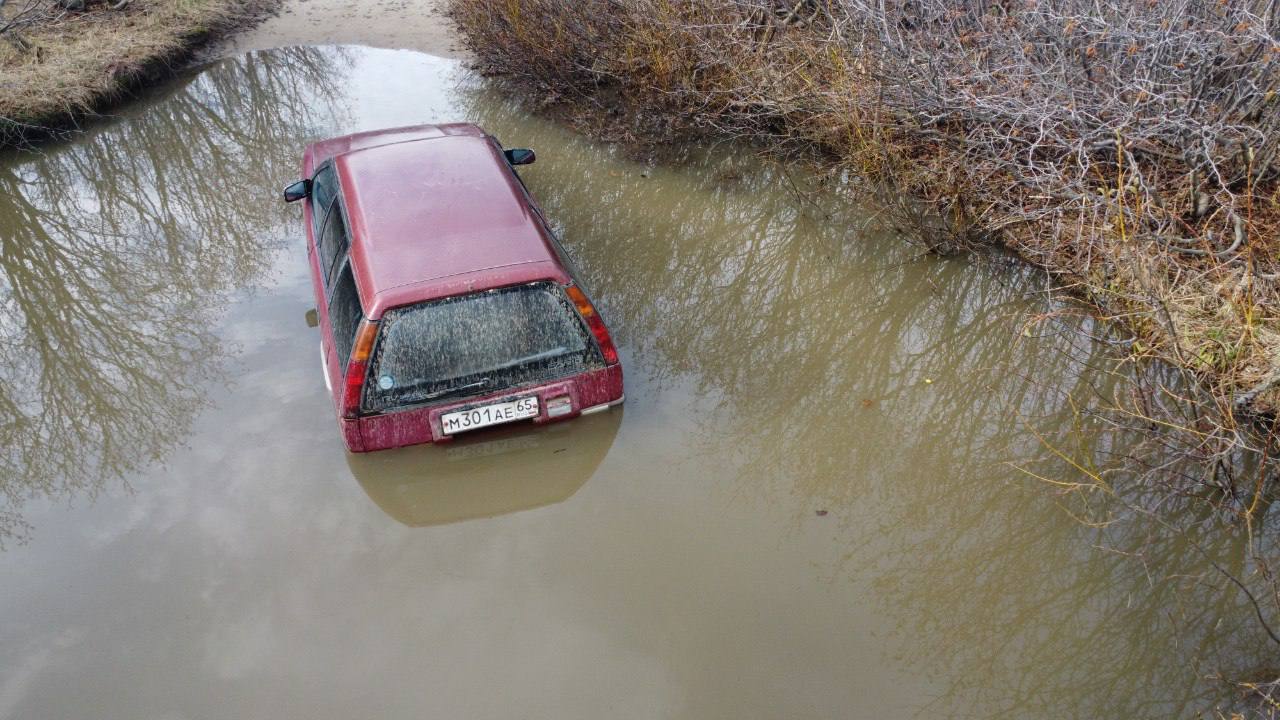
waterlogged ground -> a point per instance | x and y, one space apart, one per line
808 508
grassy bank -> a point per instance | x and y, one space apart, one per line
56 64
1131 148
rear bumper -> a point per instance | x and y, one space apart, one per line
591 391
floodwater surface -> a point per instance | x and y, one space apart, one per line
811 505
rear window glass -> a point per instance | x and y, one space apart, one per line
477 344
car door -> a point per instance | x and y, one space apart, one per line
327 252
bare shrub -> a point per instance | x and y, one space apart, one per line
27 13
15 17
1131 148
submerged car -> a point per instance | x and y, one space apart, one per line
445 303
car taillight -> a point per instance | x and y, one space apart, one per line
356 367
594 323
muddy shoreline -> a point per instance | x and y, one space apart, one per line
388 24
67 68
244 26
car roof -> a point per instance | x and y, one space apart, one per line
433 211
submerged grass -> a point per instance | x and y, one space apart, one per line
58 64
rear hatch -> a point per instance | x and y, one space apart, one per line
476 344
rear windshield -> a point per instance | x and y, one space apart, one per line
476 344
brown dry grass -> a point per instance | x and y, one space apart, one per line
70 63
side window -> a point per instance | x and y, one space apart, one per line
333 241
344 315
323 188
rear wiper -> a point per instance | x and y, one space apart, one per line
544 355
459 388
482 382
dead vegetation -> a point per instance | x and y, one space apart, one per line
1131 148
62 58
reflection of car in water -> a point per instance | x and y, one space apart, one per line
503 471
445 303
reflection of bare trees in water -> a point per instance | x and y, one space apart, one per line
892 392
117 257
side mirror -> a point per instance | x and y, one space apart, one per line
313 318
297 191
520 156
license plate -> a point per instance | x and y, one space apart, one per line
486 415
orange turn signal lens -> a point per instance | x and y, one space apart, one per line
365 335
585 308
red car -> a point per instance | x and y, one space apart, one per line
445 303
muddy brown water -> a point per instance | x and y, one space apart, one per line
809 506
